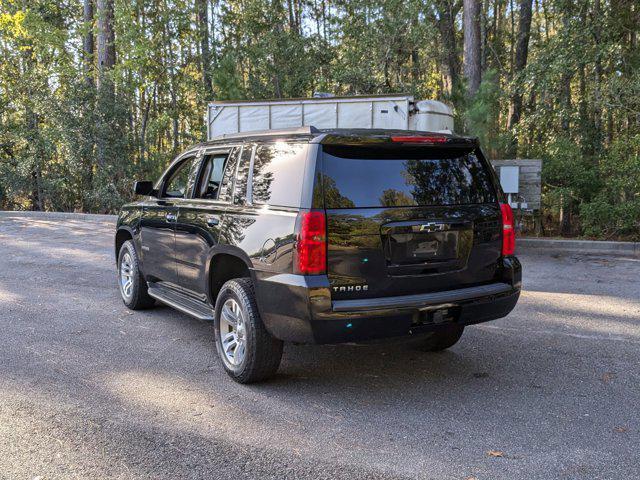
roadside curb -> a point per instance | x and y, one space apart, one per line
579 246
94 217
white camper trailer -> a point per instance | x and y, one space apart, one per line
394 111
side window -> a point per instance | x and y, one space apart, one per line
211 178
226 187
178 183
278 171
242 175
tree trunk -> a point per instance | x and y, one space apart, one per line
447 12
203 28
415 67
87 154
296 13
276 86
28 65
512 35
484 36
565 87
291 19
324 20
471 22
520 62
36 162
597 104
106 40
170 62
565 217
174 118
106 62
144 122
87 43
565 98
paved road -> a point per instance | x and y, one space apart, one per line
91 390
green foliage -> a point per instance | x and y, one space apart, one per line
483 113
615 210
227 80
568 172
67 145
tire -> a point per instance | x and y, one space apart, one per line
256 354
443 339
135 296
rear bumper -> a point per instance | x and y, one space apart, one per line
421 300
300 309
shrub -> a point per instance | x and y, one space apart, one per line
615 210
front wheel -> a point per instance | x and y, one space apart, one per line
248 352
133 287
443 339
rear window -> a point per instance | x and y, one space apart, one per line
365 177
278 171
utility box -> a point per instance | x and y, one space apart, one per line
509 179
390 112
525 186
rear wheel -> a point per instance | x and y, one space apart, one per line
443 339
248 352
133 287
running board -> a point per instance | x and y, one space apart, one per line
182 302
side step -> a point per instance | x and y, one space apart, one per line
180 301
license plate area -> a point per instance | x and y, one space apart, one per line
422 248
411 248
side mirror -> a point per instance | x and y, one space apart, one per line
144 187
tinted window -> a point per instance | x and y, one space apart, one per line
212 176
242 175
363 177
278 172
178 184
226 187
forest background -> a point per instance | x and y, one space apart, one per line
97 93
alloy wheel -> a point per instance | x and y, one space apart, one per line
126 275
232 332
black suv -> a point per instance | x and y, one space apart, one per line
325 236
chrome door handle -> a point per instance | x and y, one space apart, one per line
212 221
171 217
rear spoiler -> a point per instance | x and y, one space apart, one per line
392 138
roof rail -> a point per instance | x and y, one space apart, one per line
308 130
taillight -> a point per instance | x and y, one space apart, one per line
508 230
311 245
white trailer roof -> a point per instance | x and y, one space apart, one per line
377 111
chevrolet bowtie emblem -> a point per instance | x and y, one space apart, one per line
432 227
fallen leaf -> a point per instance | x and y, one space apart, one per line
621 429
495 453
608 376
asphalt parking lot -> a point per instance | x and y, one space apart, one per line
89 389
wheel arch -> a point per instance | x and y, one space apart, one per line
122 235
224 263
